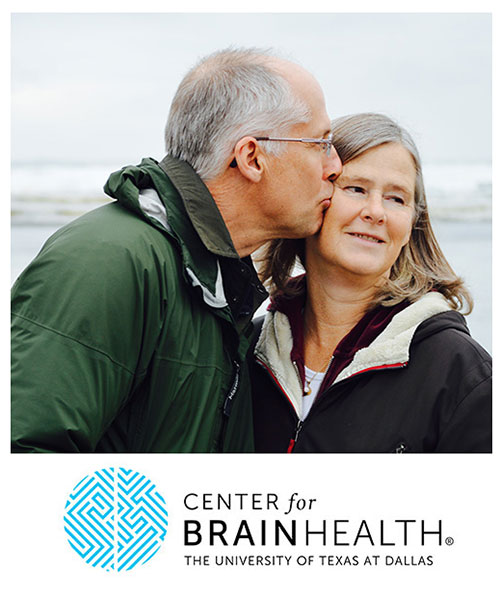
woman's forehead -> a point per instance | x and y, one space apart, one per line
390 163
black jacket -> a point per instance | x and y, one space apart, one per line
423 385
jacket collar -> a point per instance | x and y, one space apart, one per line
173 198
148 183
200 206
392 346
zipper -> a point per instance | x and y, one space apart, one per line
228 402
228 405
276 381
293 440
300 423
298 427
296 368
402 448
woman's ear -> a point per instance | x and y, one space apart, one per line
249 159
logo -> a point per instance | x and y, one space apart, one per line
115 519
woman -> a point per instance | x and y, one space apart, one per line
367 352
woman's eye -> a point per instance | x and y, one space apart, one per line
355 189
398 200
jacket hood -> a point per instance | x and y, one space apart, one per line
390 349
450 319
126 184
144 190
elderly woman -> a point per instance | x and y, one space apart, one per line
367 352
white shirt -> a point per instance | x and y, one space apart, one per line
316 380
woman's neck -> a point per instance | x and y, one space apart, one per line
331 311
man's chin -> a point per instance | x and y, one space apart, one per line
319 224
306 228
313 230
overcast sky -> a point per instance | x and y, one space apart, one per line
97 87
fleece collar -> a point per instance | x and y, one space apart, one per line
362 335
390 348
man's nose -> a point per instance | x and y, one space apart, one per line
333 165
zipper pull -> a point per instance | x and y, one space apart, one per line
294 440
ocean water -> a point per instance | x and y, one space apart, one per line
53 194
56 193
46 196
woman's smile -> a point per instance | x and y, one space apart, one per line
367 237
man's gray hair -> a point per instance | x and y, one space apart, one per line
227 95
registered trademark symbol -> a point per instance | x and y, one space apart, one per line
449 541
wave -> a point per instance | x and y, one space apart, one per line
58 193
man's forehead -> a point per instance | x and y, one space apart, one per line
295 74
305 86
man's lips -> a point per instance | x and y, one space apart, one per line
366 237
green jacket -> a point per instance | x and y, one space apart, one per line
131 326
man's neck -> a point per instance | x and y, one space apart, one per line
238 212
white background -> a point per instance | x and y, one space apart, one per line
461 490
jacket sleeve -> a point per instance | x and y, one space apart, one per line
469 429
83 329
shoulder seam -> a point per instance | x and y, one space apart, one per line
462 401
75 340
471 343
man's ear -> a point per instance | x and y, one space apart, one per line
249 159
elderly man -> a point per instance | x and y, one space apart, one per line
131 327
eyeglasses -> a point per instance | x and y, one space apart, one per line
327 142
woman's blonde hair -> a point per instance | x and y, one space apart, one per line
421 265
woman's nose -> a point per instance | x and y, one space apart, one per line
373 209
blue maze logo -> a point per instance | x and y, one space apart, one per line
115 519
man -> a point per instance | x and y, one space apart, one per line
131 327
